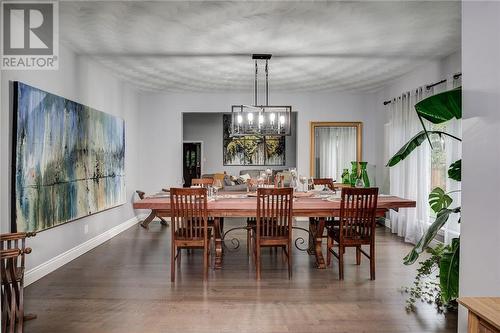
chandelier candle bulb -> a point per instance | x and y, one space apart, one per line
240 119
272 116
250 118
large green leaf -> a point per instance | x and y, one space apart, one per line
455 171
441 107
423 243
412 145
438 199
448 271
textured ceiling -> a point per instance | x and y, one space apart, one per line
206 46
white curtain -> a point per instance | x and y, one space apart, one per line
411 177
335 149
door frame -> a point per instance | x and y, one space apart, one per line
202 164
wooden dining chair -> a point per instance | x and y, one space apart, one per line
12 257
203 182
273 226
356 227
189 224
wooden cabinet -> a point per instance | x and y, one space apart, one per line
484 314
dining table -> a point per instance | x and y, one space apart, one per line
316 207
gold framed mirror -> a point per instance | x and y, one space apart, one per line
333 146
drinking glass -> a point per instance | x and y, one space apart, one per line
180 182
303 180
310 183
217 186
359 183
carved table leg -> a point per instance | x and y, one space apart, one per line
218 243
163 221
148 220
312 231
320 261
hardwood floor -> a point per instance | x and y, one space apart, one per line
124 286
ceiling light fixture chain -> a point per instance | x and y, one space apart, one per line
267 83
255 85
268 120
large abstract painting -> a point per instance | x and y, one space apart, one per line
69 160
251 150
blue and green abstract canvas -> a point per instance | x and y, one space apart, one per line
69 160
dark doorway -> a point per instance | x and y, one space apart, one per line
191 156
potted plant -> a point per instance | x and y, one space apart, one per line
437 277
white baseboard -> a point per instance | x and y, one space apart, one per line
51 265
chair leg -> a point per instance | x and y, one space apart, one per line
329 246
172 263
358 255
20 306
205 262
248 242
13 305
372 261
341 262
257 260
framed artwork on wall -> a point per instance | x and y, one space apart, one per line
68 160
251 149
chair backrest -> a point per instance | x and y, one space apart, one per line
9 264
279 181
358 210
189 214
16 241
141 194
203 182
328 182
274 212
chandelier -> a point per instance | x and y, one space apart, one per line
257 119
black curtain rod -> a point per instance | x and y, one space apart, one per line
429 86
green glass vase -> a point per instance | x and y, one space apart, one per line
354 173
346 177
364 174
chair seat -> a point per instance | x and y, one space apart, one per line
251 221
354 239
183 234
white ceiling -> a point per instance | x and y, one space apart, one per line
206 46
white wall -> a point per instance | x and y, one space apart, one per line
84 81
427 73
480 245
161 126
